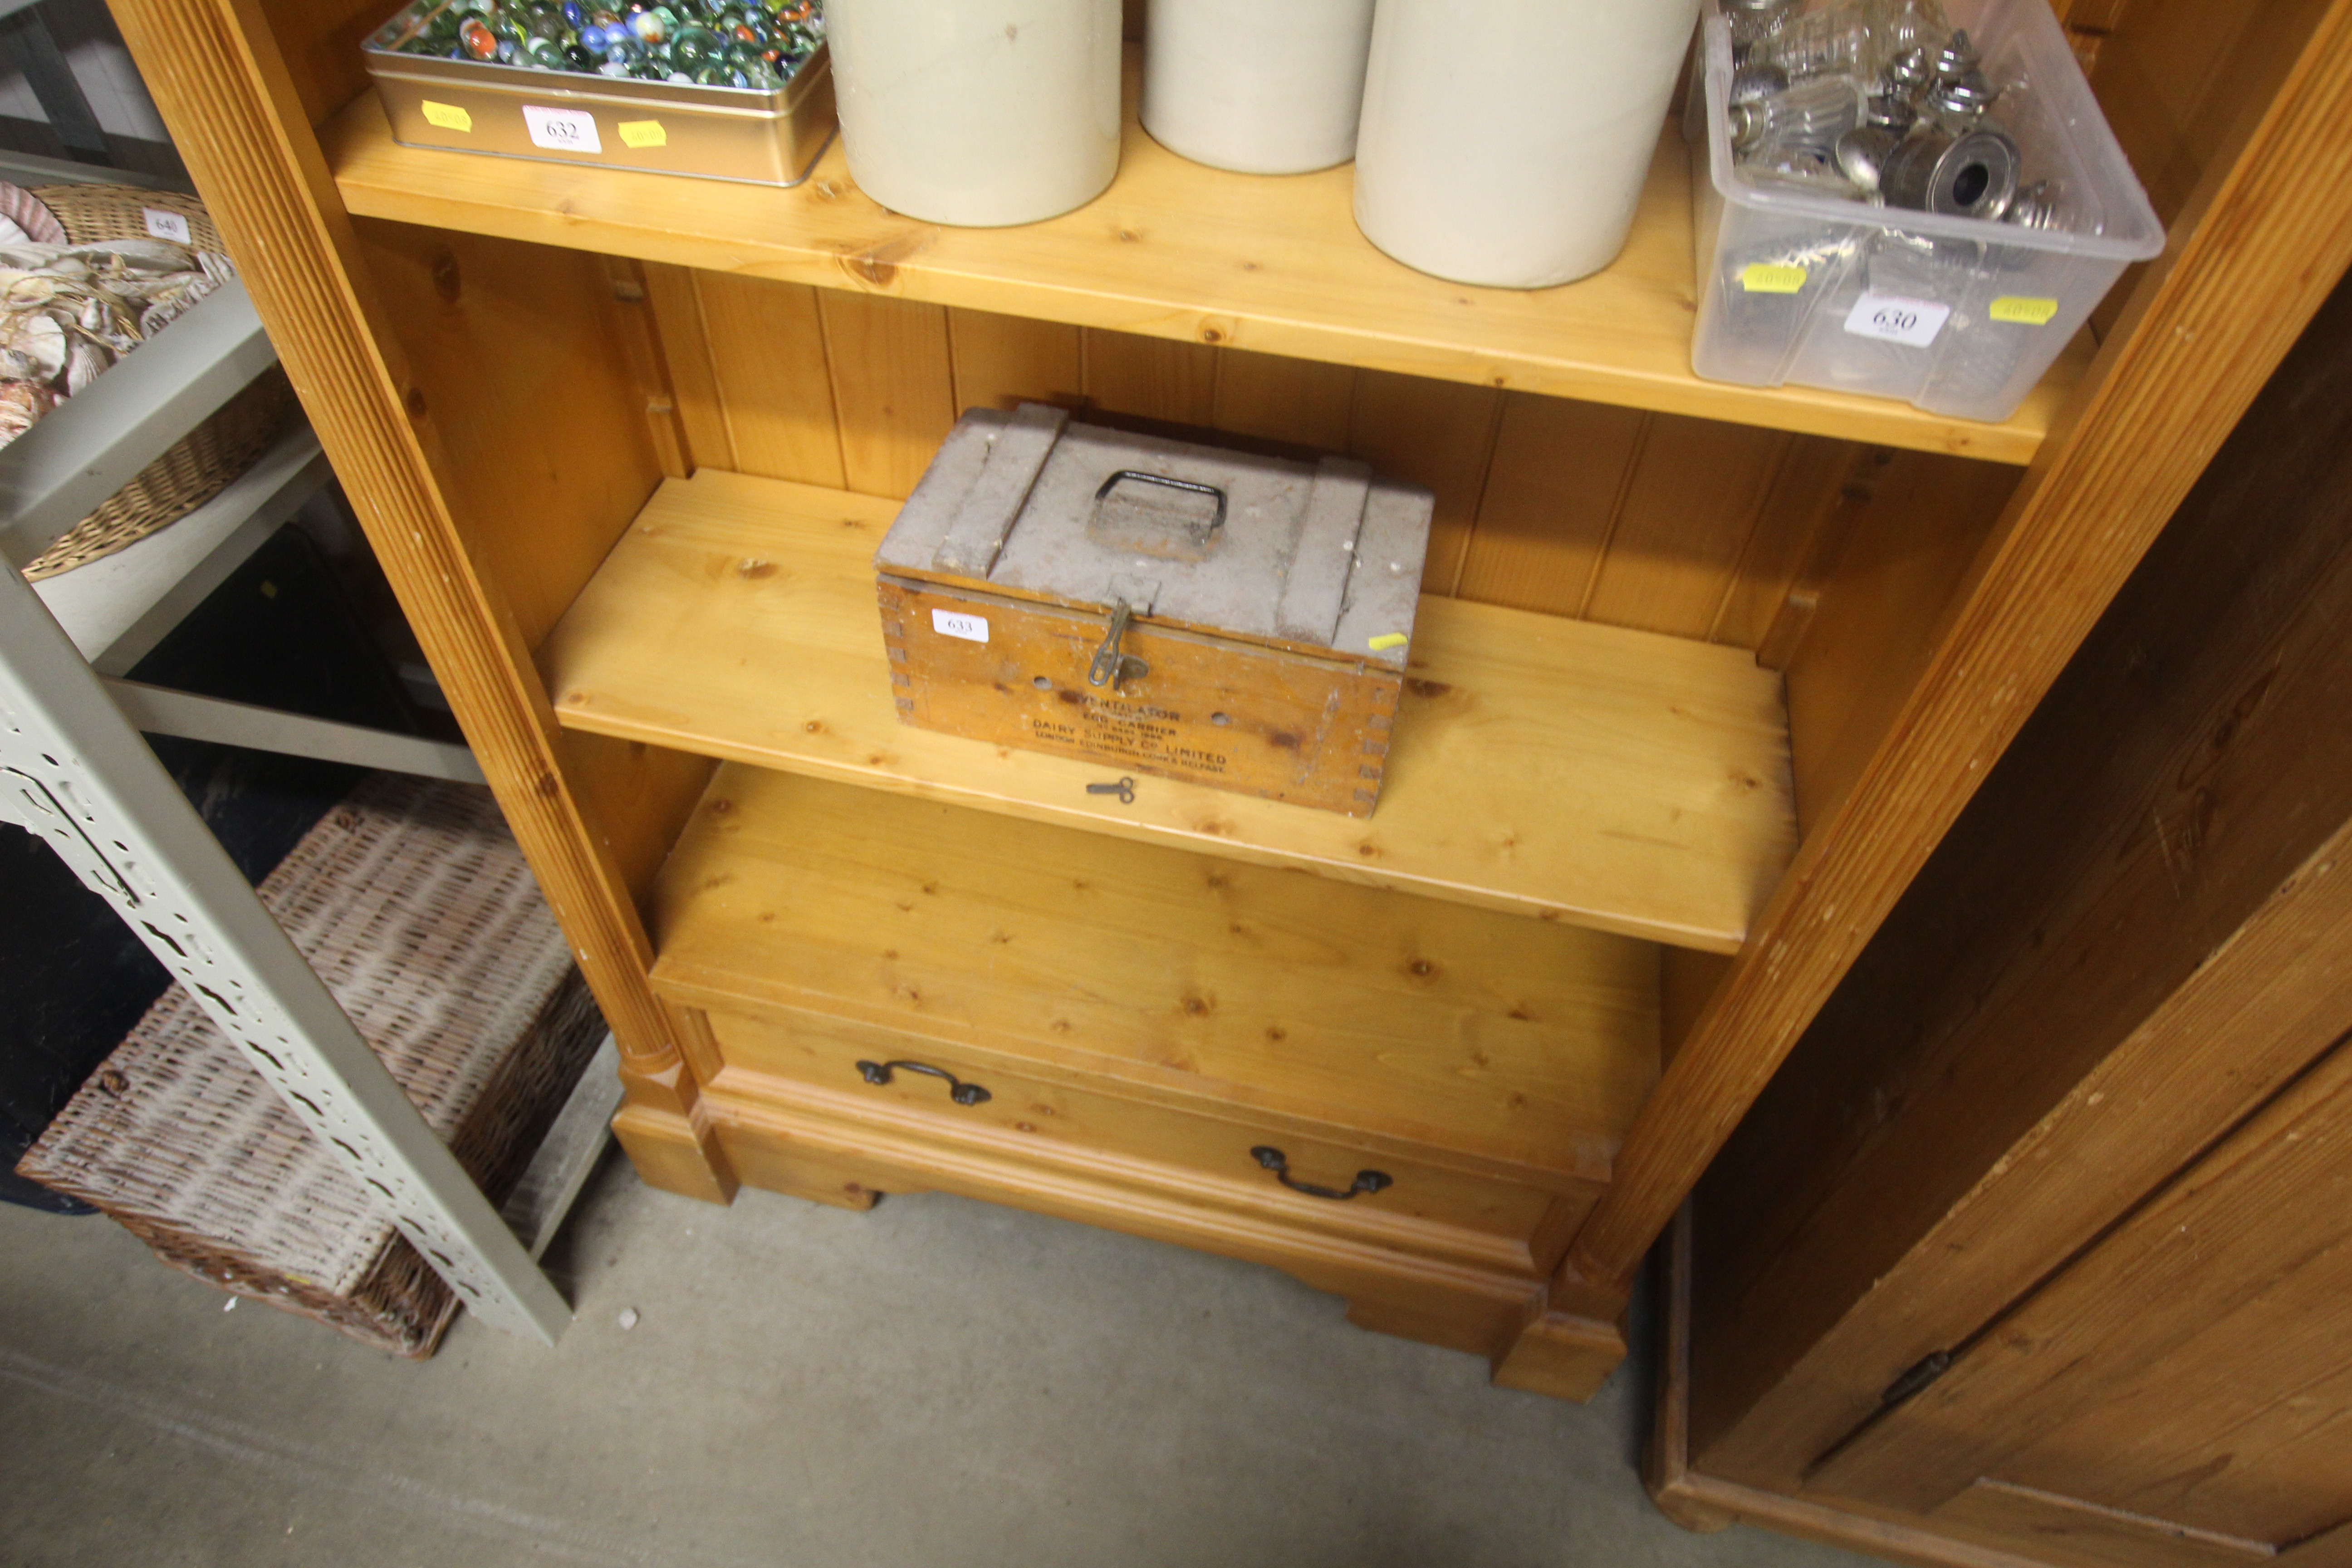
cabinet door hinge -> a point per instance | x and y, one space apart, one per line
1921 1374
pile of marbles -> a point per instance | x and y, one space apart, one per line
756 44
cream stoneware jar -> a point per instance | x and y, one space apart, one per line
1506 141
1264 87
983 112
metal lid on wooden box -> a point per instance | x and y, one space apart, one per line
1323 557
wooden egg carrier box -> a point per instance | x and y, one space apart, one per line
1161 607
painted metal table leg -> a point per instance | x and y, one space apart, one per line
26 39
74 771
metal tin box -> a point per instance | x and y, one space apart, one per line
1161 607
771 138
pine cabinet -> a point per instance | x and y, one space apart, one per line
1705 672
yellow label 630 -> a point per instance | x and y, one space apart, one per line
1763 277
2024 309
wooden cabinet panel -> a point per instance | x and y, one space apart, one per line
2246 1430
1662 523
2051 983
1683 525
674 303
893 388
2074 1531
1299 401
2040 1247
1915 669
1518 1046
1563 770
321 43
1794 546
1882 611
1150 378
775 1055
800 1148
1559 473
2177 78
515 342
1140 1021
1434 433
2252 1241
1658 523
1001 362
767 350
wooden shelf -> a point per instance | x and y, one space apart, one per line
1523 1047
1614 779
1174 249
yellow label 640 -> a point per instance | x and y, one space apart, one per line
448 116
643 133
1763 277
2025 310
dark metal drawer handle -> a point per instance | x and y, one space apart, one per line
1366 1181
963 1093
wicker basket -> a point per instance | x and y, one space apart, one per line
416 908
209 457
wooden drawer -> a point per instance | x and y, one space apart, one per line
848 1070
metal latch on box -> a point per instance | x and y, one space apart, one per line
1130 597
1111 666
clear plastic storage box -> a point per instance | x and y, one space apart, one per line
1958 316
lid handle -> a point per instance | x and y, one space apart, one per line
1152 531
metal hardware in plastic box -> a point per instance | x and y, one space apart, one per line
1978 309
769 138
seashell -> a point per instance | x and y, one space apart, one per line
21 404
138 253
30 214
166 307
32 348
84 361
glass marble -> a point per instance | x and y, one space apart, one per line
753 44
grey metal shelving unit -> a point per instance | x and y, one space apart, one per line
75 771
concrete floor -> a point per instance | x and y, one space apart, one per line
939 1382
